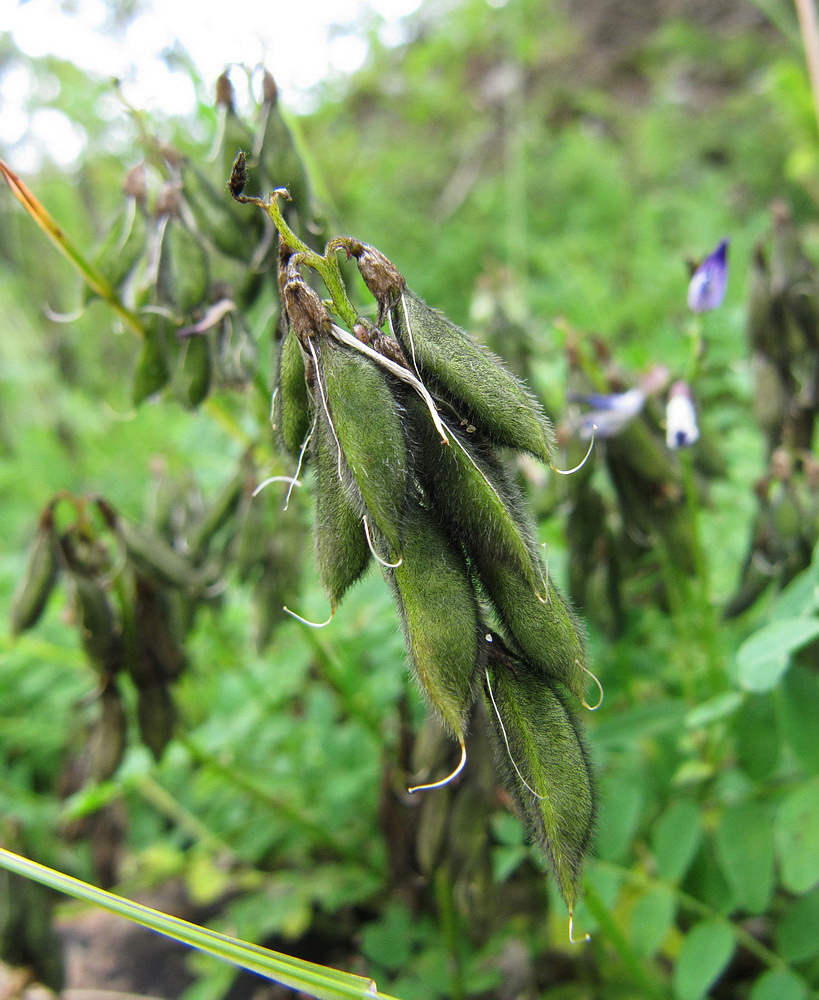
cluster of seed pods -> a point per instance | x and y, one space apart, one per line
406 422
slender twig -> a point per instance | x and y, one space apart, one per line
806 12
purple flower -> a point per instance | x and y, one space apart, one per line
681 429
610 413
706 289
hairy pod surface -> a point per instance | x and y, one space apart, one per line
342 552
291 407
473 496
546 633
474 380
441 618
546 764
367 424
37 583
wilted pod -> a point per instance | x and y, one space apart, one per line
39 577
546 764
487 395
368 434
441 618
99 625
156 715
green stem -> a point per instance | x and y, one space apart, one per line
327 265
316 832
162 800
449 931
597 908
92 276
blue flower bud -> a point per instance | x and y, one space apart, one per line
706 289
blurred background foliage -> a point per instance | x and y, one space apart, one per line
542 172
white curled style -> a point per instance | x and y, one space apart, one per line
399 371
378 558
448 778
506 740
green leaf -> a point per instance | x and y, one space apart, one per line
796 937
675 839
716 708
388 941
765 656
315 980
758 741
705 952
800 710
744 843
796 835
801 596
651 918
779 984
622 793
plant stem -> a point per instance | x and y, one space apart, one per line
595 906
806 12
327 266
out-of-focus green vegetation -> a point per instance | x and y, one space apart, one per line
541 174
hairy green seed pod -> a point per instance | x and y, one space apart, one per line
441 618
472 378
156 715
546 633
39 578
473 496
100 628
291 406
367 424
545 763
342 552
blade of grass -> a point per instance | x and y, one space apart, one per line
315 980
92 275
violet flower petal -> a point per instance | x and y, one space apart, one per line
706 289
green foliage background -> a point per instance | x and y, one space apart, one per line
577 171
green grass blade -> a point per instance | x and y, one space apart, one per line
315 980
